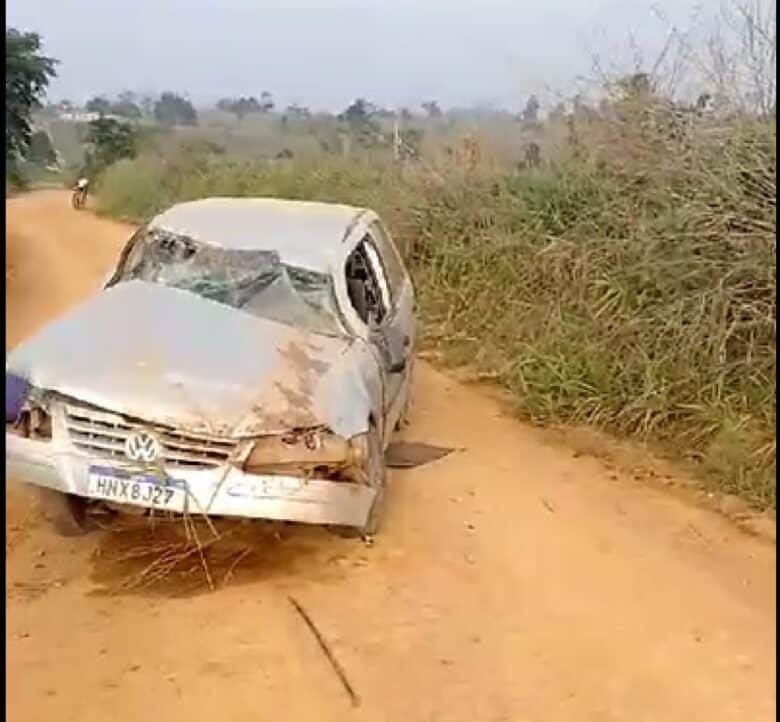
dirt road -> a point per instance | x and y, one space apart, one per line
514 581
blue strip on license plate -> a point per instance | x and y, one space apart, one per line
135 476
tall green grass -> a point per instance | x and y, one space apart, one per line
631 286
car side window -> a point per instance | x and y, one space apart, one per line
366 283
391 260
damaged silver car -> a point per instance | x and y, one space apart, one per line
246 358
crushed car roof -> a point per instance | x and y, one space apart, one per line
305 234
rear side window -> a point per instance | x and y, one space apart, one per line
393 266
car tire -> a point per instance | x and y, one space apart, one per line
66 512
377 479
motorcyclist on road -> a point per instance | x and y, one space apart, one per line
79 197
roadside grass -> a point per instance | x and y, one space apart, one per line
26 176
15 179
629 285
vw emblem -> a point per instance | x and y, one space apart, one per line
142 447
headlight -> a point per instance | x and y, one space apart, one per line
316 452
24 414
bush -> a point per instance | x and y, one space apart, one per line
108 141
15 179
133 189
636 289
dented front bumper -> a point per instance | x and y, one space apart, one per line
220 491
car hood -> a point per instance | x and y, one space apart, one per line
168 356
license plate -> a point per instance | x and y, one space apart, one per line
145 490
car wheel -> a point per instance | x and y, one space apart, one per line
377 479
66 512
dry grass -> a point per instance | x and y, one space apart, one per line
630 285
179 555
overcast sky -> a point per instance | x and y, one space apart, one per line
326 53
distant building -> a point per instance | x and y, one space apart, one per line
78 116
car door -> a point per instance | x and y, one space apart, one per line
395 334
376 301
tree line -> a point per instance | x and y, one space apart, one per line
168 109
29 71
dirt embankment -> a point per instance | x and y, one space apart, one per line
515 580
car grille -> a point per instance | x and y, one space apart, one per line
103 434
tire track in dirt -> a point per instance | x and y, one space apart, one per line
513 580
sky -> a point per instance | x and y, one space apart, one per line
324 54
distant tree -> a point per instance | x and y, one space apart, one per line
240 107
146 103
108 141
245 106
99 105
127 110
405 114
126 106
358 114
297 111
27 75
172 109
226 105
530 113
432 109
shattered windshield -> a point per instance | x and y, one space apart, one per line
254 281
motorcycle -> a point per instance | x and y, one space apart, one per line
79 198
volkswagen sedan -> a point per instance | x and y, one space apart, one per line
246 358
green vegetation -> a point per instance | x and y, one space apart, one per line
241 107
27 75
125 106
172 109
108 141
630 284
